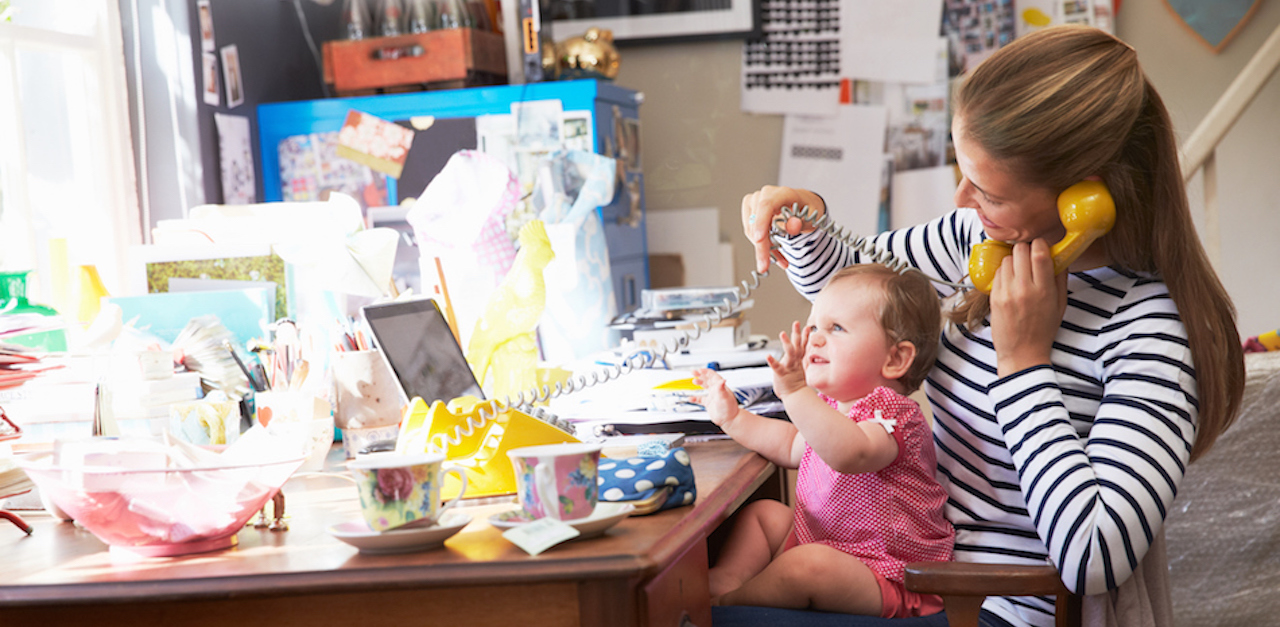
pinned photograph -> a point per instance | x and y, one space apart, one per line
206 25
231 76
375 142
538 124
575 131
235 151
211 94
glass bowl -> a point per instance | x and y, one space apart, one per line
160 511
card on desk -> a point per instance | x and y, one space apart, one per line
624 446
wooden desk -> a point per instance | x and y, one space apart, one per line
646 570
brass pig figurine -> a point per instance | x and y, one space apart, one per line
591 55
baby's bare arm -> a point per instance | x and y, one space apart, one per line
775 440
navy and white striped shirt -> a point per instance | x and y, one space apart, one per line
1077 463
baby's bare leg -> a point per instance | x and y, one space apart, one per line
812 576
759 531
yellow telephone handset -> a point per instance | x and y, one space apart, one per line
1088 212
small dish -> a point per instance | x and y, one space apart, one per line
606 515
358 534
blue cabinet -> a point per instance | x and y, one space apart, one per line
614 113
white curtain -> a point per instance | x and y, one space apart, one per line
66 160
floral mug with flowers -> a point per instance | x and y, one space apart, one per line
557 480
398 490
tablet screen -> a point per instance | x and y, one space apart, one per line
417 343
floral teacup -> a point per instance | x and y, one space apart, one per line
557 480
398 490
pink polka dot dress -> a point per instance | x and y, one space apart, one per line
886 518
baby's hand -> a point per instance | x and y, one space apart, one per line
721 404
788 373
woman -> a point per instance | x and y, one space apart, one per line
1065 407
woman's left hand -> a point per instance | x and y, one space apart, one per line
1027 305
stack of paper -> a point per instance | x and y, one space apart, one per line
12 479
666 316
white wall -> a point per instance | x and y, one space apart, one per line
1190 78
700 150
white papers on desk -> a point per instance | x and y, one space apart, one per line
843 157
626 400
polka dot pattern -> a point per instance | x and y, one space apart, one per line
636 478
886 518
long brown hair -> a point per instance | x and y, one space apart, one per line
1068 102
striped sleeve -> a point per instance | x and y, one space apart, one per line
939 248
1098 501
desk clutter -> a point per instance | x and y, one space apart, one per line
124 488
250 319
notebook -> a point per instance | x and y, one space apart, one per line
418 345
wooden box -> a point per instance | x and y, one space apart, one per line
457 57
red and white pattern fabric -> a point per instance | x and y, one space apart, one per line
886 518
494 247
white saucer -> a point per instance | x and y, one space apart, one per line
358 534
606 515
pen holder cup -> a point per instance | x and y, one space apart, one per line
355 441
308 415
365 393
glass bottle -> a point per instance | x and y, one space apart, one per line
453 14
355 18
390 13
421 16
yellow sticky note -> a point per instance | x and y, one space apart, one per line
679 385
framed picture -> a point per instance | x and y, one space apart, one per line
206 25
163 268
231 76
665 21
212 95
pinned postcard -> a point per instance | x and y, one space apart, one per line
919 196
235 157
976 28
375 142
841 155
211 94
890 41
231 76
206 25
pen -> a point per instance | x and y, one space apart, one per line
691 427
248 375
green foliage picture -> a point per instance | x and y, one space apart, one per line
256 268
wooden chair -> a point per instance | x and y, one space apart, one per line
964 585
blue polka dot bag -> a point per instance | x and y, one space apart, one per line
642 479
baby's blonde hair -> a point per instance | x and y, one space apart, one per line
909 312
